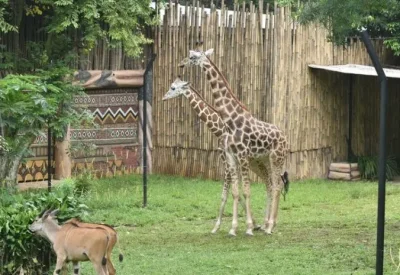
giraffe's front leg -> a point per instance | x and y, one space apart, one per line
235 195
244 168
232 170
224 197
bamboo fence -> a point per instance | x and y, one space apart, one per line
267 69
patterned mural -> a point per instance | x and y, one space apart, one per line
116 112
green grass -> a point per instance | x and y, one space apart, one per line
324 227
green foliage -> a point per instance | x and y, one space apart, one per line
39 56
82 23
83 180
18 247
4 25
28 104
344 18
81 148
368 166
83 177
66 186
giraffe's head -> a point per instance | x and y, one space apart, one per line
178 87
196 57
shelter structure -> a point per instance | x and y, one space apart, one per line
362 108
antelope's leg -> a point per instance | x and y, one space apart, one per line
60 264
76 267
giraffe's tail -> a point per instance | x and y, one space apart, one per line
285 179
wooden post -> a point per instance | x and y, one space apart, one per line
62 159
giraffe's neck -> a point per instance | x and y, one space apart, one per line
231 110
205 112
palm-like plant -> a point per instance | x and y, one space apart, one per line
28 105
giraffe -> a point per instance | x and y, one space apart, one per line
213 121
253 144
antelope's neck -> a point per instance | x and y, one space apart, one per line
51 231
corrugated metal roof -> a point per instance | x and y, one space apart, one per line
356 69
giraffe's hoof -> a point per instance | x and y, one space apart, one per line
268 232
249 232
232 233
258 227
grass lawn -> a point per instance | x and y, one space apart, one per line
323 227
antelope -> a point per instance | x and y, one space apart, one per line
72 243
113 239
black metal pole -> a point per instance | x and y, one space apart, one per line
49 158
382 154
147 84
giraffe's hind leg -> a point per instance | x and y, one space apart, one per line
231 168
262 168
275 189
244 171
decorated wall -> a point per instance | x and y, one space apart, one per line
116 114
111 146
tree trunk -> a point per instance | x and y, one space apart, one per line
9 170
9 163
62 159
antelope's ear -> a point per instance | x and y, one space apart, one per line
42 213
209 52
54 213
46 214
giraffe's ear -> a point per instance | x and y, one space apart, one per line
186 84
184 62
209 52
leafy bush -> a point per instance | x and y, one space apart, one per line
26 104
83 176
18 247
368 166
80 184
83 181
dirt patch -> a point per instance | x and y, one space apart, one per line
35 185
